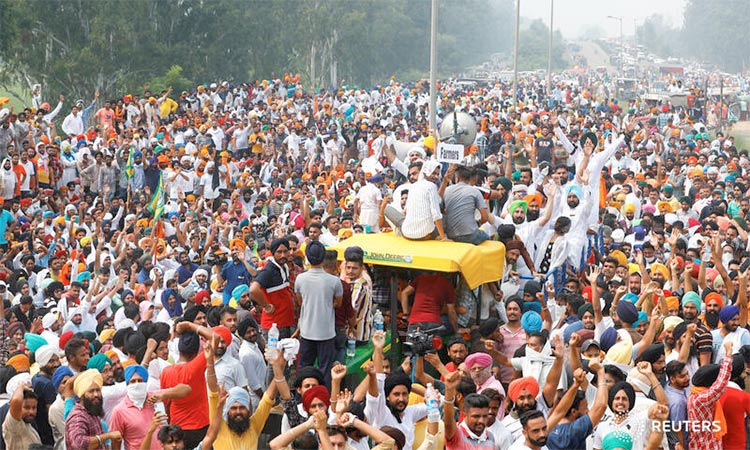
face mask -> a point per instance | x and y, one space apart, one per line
137 393
651 259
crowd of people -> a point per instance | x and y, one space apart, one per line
170 277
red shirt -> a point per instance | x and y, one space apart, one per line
735 404
191 412
277 292
431 293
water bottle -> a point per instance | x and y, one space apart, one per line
273 338
351 347
431 400
377 321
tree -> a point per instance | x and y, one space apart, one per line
533 45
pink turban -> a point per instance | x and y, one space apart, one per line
482 359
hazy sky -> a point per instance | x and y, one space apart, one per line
574 16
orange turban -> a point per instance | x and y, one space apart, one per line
20 363
237 243
533 198
673 302
714 296
523 384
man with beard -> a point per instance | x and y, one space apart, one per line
524 395
83 427
535 432
48 360
457 352
703 340
730 332
654 355
18 432
270 289
677 393
251 358
471 433
229 371
241 426
112 393
387 402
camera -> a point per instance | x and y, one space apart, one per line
419 342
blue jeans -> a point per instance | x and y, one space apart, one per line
476 238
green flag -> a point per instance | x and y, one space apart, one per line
156 206
129 170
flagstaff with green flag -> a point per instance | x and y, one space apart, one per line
156 205
129 169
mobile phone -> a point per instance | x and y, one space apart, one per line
745 265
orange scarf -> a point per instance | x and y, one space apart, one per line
718 414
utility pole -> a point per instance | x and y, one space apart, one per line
622 42
721 103
549 54
433 65
515 54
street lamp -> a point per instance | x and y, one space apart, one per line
622 47
433 65
515 55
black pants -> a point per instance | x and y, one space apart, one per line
194 437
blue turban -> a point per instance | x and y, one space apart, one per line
575 190
48 214
627 312
532 306
570 329
133 369
692 297
728 312
236 395
137 154
84 276
531 322
60 373
632 298
98 362
608 338
238 291
642 317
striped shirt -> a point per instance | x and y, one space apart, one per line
701 408
422 210
512 341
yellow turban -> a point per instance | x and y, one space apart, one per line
622 260
629 207
86 380
86 240
106 334
633 268
661 268
429 142
622 351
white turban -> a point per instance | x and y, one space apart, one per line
15 381
48 320
44 354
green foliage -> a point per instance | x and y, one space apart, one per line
74 47
533 48
173 78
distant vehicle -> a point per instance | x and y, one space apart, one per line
627 89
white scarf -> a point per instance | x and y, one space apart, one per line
284 270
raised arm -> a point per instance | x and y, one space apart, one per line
562 407
599 407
